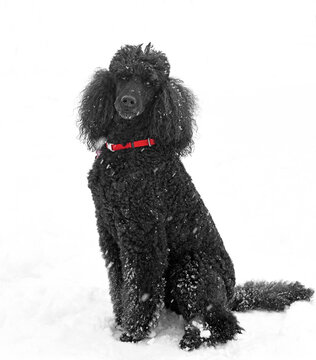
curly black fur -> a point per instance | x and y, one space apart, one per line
159 241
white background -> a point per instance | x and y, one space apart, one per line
252 64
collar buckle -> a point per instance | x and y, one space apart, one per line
109 146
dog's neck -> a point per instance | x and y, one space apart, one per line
125 130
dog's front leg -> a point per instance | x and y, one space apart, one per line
144 259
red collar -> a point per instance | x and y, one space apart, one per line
129 145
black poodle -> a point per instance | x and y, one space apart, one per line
159 241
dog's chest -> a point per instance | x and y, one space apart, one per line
120 178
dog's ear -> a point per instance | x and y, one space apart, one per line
173 117
96 109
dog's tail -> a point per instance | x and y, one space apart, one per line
272 296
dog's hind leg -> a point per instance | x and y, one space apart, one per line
198 292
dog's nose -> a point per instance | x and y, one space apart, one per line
128 101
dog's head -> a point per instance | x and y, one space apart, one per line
137 90
138 75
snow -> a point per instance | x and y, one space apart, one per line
252 67
145 297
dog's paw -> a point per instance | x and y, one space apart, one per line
223 327
191 339
127 337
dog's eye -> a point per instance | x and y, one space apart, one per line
122 77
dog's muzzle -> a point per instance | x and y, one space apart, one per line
128 106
